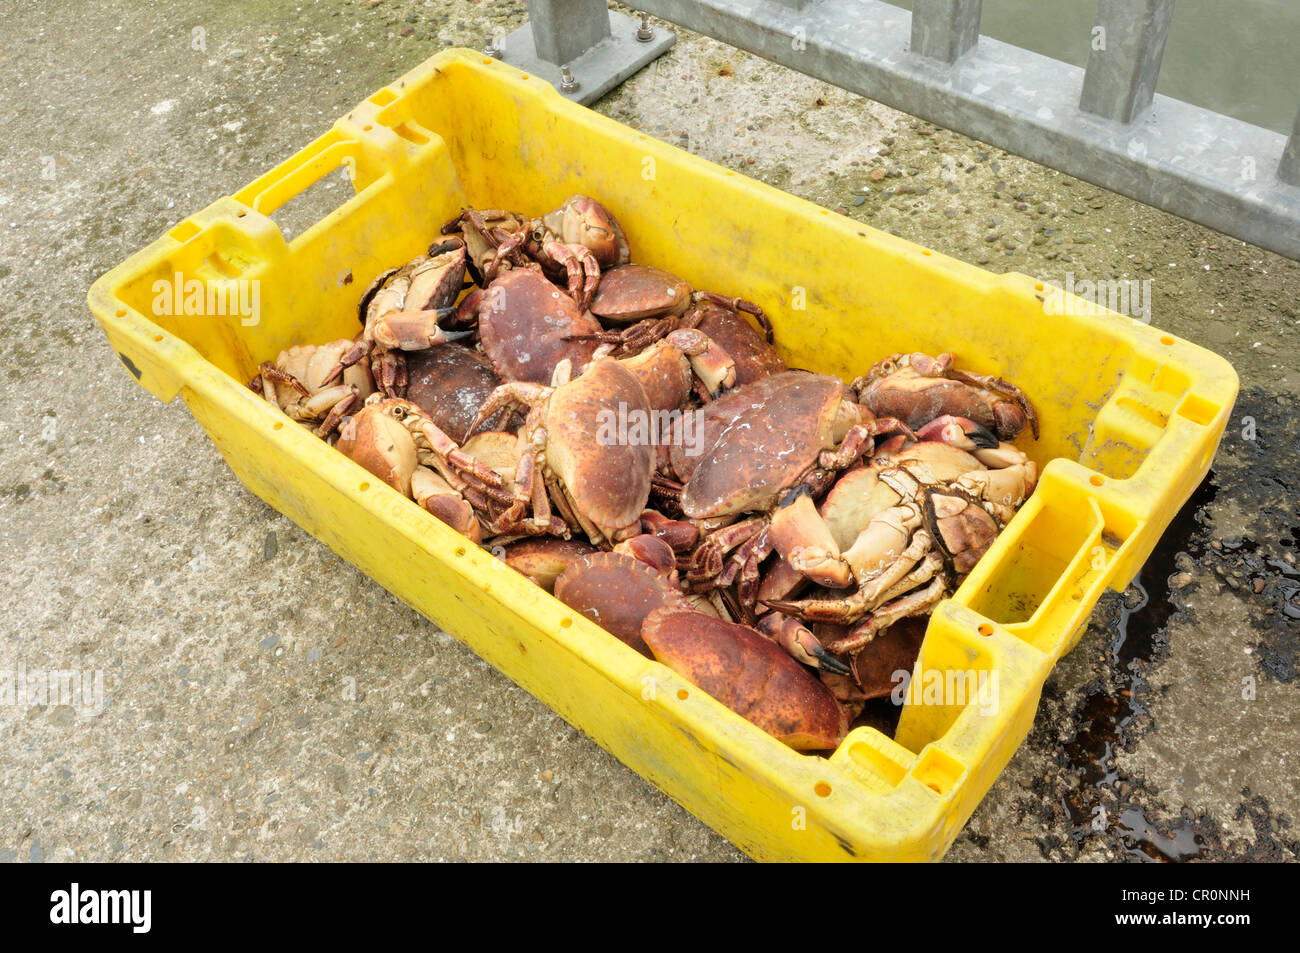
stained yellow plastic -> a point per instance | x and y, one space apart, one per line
1131 418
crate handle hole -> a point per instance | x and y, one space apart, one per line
822 789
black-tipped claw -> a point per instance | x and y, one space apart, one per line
829 663
982 437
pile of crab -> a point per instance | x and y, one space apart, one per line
640 449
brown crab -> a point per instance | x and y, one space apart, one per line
917 388
683 363
574 242
600 487
752 352
748 673
396 441
400 312
618 590
759 442
450 384
292 384
909 527
527 326
542 558
648 303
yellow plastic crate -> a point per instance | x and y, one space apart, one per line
1131 418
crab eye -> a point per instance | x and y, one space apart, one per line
399 412
538 234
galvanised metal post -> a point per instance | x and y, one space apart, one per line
1288 170
565 29
945 29
1128 43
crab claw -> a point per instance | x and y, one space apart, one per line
960 432
709 361
802 645
802 537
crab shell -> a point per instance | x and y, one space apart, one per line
382 445
525 325
962 528
715 417
748 673
859 495
609 482
309 363
754 357
917 389
766 447
664 375
581 220
617 592
544 558
450 383
632 292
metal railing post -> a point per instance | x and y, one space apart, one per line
1288 170
1128 43
945 29
581 47
565 29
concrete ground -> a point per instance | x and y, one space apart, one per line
224 633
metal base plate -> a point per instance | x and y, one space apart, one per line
598 70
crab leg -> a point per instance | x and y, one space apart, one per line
715 546
272 374
508 395
1002 388
634 338
581 266
873 588
339 407
740 304
914 603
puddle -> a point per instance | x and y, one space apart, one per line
1136 621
